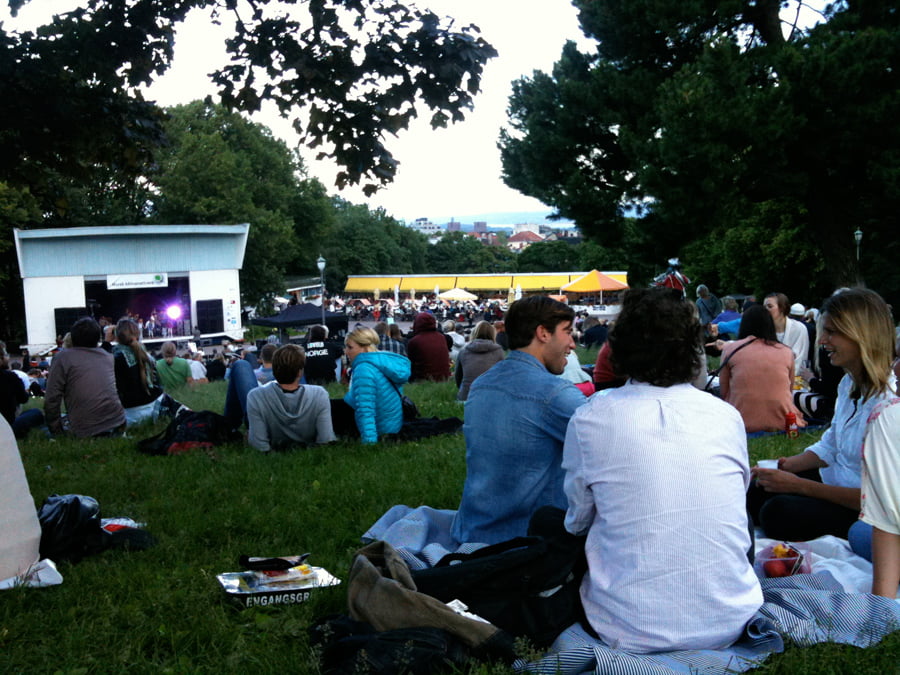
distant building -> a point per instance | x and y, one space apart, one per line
570 235
454 226
480 226
522 240
526 227
486 238
426 227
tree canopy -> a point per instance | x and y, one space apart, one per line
347 72
221 168
752 148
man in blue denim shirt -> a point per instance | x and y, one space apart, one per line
515 425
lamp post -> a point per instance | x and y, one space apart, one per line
858 237
321 265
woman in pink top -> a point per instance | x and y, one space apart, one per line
758 374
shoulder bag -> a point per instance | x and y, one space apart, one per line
713 375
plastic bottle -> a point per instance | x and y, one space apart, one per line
790 425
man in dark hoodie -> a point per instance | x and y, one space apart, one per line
427 350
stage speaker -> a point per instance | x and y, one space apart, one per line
210 316
65 317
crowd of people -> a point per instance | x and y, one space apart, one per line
653 469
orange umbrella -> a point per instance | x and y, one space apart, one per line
594 282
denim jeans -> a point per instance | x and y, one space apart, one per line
860 538
143 413
241 381
28 420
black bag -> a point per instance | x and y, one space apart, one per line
714 374
70 527
410 409
190 430
528 586
71 530
350 647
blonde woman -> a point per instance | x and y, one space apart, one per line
136 377
375 387
818 491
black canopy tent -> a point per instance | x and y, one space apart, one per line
306 314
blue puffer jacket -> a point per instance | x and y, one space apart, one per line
373 397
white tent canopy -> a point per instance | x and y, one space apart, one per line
457 294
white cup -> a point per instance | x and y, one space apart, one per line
767 464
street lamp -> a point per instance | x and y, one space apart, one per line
321 265
858 237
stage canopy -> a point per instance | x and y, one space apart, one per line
306 314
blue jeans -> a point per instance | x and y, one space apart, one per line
28 420
143 413
860 538
240 383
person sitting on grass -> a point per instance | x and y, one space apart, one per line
477 357
198 368
515 424
83 378
373 405
879 516
757 374
12 395
322 356
264 373
136 375
818 491
284 412
174 371
428 350
655 474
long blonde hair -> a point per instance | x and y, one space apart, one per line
864 317
128 334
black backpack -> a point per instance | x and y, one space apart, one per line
350 647
528 586
190 430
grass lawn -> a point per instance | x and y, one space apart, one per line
161 610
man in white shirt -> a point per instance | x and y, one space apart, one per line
656 474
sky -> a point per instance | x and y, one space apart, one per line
444 173
453 172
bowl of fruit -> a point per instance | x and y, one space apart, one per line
781 560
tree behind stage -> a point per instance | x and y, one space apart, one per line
750 153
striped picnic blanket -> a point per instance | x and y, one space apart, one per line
806 609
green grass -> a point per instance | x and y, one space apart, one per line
161 610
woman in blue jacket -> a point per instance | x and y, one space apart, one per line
375 385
